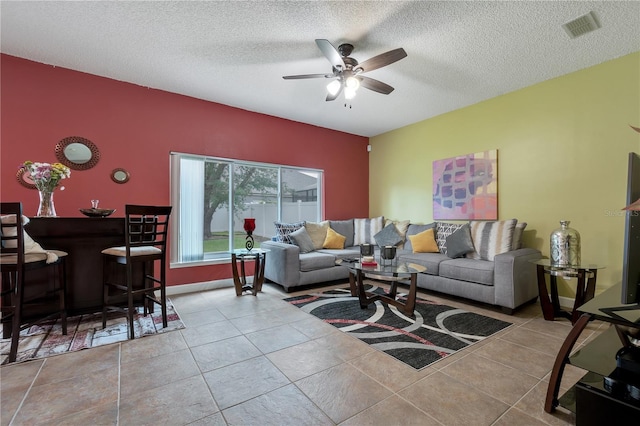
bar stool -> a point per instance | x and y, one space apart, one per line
146 229
23 303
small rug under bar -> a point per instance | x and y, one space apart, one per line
85 332
435 332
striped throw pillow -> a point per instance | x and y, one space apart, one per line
491 238
364 230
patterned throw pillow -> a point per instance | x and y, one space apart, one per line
443 230
364 230
284 229
389 236
491 238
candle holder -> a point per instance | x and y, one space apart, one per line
388 256
249 227
366 253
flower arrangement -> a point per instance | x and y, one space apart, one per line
46 177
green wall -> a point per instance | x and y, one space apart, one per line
562 154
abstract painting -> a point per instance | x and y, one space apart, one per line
466 187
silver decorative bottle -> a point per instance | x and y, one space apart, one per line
565 246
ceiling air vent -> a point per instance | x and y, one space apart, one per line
582 25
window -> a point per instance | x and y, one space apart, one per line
212 196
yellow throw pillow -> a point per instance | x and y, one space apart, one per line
334 240
424 242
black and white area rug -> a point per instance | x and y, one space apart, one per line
435 332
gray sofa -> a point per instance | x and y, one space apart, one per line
507 281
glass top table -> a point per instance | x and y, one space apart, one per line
586 274
394 273
598 357
256 255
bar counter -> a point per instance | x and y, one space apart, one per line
84 239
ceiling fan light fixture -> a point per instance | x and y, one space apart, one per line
352 83
349 92
334 87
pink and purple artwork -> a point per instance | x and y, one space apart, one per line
466 187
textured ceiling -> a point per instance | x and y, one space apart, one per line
235 53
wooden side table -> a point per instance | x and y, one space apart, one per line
240 279
586 276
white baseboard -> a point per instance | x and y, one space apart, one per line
195 287
566 302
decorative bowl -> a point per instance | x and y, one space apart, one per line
97 212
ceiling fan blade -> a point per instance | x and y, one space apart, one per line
331 53
375 85
382 60
331 97
299 77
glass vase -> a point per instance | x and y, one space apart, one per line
565 246
46 208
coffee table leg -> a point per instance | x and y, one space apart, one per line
393 289
411 298
352 284
362 295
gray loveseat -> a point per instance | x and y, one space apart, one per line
507 281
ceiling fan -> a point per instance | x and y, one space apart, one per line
347 71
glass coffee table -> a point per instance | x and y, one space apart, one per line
393 274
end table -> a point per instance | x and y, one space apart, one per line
240 279
586 275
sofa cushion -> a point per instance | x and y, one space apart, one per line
350 253
443 230
345 228
333 240
471 270
316 260
414 229
302 239
430 260
284 229
364 230
424 242
491 238
459 243
317 232
389 236
516 243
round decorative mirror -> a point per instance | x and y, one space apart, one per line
24 179
77 153
120 176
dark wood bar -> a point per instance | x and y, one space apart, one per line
83 239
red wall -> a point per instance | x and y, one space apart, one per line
136 128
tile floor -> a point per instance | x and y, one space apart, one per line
260 361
